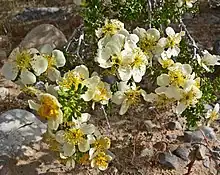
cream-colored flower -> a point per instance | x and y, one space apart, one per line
98 91
100 143
75 136
149 41
179 73
139 63
127 96
189 3
208 60
189 98
110 28
213 114
55 59
27 63
48 108
74 77
171 43
165 61
100 161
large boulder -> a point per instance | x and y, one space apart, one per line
43 34
18 128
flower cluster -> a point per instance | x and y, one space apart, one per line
178 86
208 60
82 142
24 65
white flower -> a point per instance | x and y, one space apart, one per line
189 3
127 96
26 62
189 98
149 41
171 42
75 136
97 91
139 64
164 60
74 77
101 160
48 108
213 114
208 60
110 28
55 59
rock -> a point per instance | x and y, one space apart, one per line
43 34
3 57
174 126
160 146
17 128
208 132
3 92
171 136
39 13
214 3
201 152
182 152
169 160
149 125
147 152
110 79
195 136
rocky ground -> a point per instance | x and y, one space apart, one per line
145 141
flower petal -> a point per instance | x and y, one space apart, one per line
69 149
59 58
83 71
125 73
118 97
87 128
46 49
163 80
27 77
53 124
124 107
33 105
39 64
170 32
10 70
83 145
60 136
53 74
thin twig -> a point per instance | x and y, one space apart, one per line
106 117
72 38
149 12
195 47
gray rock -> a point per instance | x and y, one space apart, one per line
208 132
182 152
39 13
174 126
147 152
3 92
17 128
110 79
43 34
195 136
169 160
201 152
149 125
171 136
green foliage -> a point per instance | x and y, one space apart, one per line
72 104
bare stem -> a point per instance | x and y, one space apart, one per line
106 117
195 47
149 12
